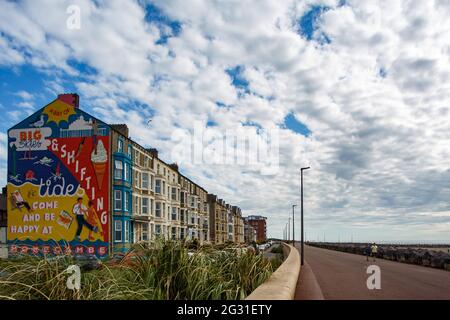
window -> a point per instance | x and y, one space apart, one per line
119 145
129 150
136 205
126 173
126 201
174 233
182 215
151 182
157 229
158 209
144 232
174 193
117 199
145 181
125 223
144 205
118 231
136 182
118 169
174 213
158 186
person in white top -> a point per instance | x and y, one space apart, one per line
374 251
79 209
20 202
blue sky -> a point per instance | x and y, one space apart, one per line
357 91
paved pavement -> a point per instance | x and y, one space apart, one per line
341 275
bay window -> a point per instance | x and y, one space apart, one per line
117 199
117 231
118 169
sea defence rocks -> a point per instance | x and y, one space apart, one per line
434 257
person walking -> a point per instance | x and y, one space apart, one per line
92 219
79 209
368 251
374 250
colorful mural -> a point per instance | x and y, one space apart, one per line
58 183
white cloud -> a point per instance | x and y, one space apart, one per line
378 148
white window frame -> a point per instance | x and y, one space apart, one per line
116 229
116 192
144 182
156 209
126 166
144 206
144 225
136 205
126 201
156 186
173 235
158 226
137 179
126 229
173 211
118 167
173 194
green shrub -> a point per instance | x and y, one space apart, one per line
277 249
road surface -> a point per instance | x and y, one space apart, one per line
341 275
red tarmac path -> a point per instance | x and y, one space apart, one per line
334 275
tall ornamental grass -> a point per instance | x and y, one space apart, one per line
166 270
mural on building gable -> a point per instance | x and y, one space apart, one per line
58 183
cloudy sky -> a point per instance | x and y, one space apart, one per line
358 90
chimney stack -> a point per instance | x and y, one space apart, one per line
122 128
153 152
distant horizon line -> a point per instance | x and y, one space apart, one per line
437 242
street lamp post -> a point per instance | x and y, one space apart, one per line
301 204
289 229
293 225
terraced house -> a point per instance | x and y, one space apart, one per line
218 219
111 192
238 225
